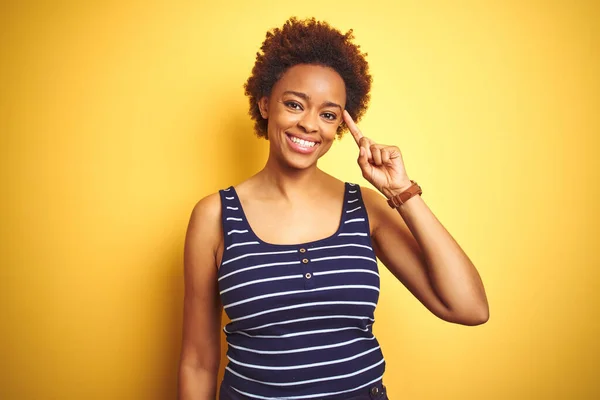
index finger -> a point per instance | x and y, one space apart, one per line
356 133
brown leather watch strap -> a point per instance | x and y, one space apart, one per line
403 197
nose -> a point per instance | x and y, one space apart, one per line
309 122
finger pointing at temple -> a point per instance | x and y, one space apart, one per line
359 138
356 133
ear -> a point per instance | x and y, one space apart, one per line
263 106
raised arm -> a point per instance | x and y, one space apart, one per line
422 254
413 244
200 350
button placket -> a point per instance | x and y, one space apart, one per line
306 269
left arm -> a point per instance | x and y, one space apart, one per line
413 244
417 249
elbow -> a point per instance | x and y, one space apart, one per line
470 317
474 312
476 317
479 318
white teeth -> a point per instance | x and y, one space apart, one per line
302 142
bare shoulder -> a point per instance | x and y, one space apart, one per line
207 213
204 229
372 198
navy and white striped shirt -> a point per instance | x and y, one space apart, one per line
301 315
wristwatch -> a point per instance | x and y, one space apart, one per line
401 198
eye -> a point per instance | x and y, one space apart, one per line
329 116
293 105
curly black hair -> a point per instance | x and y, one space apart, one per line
309 42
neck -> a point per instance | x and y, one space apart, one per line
289 182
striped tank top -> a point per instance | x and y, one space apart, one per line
301 315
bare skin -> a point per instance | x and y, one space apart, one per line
292 201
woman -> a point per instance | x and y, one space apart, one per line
290 253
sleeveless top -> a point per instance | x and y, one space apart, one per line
301 315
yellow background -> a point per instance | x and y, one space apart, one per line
116 117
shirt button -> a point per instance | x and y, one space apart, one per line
302 250
308 275
305 260
374 390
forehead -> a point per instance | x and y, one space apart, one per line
318 82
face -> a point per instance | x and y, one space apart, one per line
304 111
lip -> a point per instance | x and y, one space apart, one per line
299 149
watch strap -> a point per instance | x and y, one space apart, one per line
401 198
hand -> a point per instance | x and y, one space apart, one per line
381 165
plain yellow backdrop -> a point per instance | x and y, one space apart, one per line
117 117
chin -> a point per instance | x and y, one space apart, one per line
299 163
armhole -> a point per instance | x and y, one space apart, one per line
368 226
367 223
222 194
224 236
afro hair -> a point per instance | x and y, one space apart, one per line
309 42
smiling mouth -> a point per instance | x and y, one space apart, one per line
302 142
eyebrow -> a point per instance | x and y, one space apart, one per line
307 98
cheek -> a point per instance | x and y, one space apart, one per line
280 122
285 119
329 134
330 131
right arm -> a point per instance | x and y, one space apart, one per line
201 342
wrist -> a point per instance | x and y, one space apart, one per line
396 190
404 194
